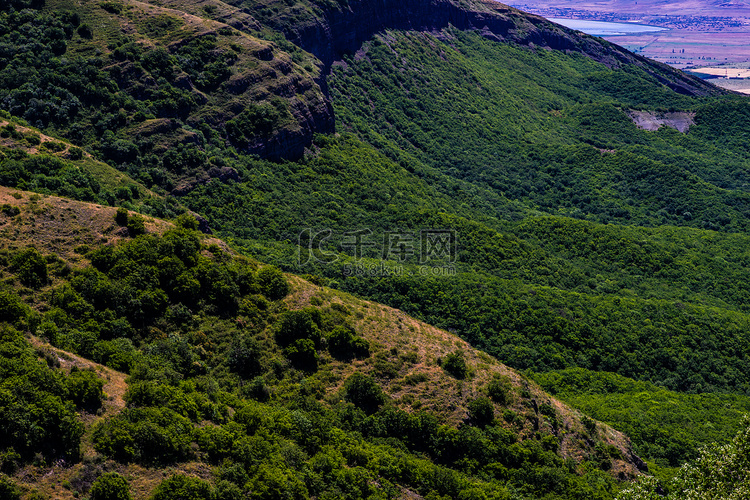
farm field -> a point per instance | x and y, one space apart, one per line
696 34
683 48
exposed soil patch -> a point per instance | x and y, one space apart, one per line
652 121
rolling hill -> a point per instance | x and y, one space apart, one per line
576 250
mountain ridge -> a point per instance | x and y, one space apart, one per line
343 29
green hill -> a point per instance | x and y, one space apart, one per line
333 140
169 352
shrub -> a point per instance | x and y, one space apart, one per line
146 435
30 267
364 392
499 389
245 357
302 354
187 221
12 310
295 325
481 411
84 31
257 389
343 344
8 490
183 487
122 216
85 388
111 486
10 210
272 283
455 364
136 225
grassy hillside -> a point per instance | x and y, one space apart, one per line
240 376
580 247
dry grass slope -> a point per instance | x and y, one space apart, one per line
107 176
61 226
405 361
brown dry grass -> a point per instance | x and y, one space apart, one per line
60 226
49 480
395 337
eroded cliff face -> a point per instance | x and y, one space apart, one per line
330 32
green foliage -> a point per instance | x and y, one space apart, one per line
30 267
245 357
302 354
455 364
12 309
145 435
363 392
481 411
257 120
187 221
500 390
85 388
344 344
136 225
9 210
122 216
8 490
272 283
455 132
36 417
183 487
299 325
110 486
718 472
665 426
51 175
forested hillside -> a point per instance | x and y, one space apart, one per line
244 382
332 140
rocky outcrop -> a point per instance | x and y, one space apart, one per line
652 121
339 31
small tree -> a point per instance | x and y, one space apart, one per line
183 487
136 225
455 364
121 217
481 411
364 392
295 325
85 388
8 490
111 486
303 355
500 390
187 221
30 267
343 344
245 357
272 283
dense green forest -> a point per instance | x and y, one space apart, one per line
609 262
